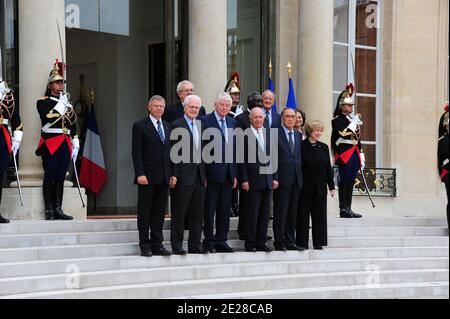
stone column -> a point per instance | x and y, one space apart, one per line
315 58
39 46
208 48
38 49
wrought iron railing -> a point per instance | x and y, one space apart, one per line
382 182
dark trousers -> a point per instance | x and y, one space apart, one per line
218 201
257 218
56 166
5 157
189 202
151 210
316 208
285 216
242 211
345 195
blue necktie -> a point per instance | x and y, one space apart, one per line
161 132
222 128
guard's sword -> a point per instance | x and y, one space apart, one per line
354 114
78 182
18 180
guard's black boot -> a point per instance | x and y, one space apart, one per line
349 201
3 220
59 193
49 193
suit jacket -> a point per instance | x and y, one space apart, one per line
220 172
443 158
186 172
243 120
250 172
317 170
276 119
151 157
176 112
289 165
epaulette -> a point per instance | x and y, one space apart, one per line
43 98
336 117
441 138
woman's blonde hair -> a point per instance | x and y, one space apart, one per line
314 126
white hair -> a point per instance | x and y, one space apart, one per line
256 110
269 92
191 98
182 84
224 96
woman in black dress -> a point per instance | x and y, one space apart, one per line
317 176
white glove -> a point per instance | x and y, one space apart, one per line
353 126
16 141
63 104
4 90
355 118
362 156
75 148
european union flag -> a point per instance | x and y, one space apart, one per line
272 88
291 101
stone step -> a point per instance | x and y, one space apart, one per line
186 288
85 238
124 249
56 266
76 226
434 290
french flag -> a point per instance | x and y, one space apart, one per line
93 171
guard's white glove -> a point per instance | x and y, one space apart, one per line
16 141
75 148
353 126
63 104
4 90
362 156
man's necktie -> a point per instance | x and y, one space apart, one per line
291 143
195 134
267 123
223 129
161 132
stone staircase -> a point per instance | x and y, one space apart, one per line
376 257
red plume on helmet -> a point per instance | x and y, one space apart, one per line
236 76
446 107
350 89
60 67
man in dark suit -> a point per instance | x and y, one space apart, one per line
190 176
254 100
221 177
256 183
290 179
151 158
272 118
175 112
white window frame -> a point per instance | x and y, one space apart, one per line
351 52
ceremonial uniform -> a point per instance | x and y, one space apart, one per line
10 133
443 153
346 145
58 145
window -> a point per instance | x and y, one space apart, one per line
244 42
8 42
357 54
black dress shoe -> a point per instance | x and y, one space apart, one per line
294 248
345 214
355 215
147 253
49 215
280 248
318 248
179 251
3 220
198 252
209 248
264 249
224 248
250 249
161 252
